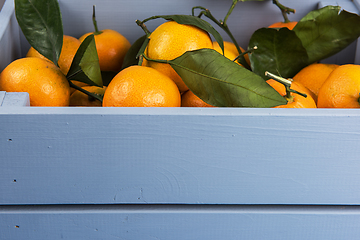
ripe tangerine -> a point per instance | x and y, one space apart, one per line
45 83
140 86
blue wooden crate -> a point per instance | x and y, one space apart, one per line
14 99
176 173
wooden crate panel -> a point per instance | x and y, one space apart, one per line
14 99
159 155
170 173
180 222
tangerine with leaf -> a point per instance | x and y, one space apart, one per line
286 23
81 99
169 41
68 51
295 93
230 51
111 47
189 99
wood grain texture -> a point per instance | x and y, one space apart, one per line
15 99
2 96
179 155
180 222
175 173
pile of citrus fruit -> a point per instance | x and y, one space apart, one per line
154 82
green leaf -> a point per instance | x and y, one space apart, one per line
220 82
143 47
131 57
195 21
327 31
41 23
278 51
85 65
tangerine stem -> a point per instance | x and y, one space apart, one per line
223 25
140 54
286 82
230 11
245 52
284 10
141 59
97 32
143 27
154 60
199 7
86 92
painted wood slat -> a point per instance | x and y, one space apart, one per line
195 157
212 156
2 96
181 222
16 99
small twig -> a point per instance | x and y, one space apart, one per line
286 82
222 24
229 12
95 23
143 26
284 10
245 52
96 96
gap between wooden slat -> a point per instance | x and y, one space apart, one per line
205 208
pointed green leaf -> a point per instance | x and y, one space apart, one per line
327 31
278 51
223 83
85 65
195 21
41 23
131 57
